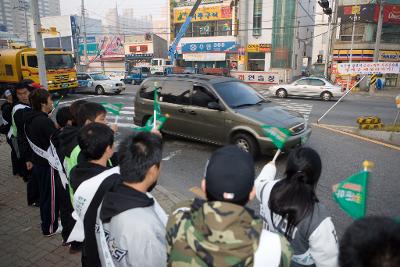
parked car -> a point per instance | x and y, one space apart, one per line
218 110
99 84
117 75
308 86
137 74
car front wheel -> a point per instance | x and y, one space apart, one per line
100 90
281 93
247 143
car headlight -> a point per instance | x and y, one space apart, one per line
72 80
49 82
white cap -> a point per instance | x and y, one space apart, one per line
7 93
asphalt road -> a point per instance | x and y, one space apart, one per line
342 156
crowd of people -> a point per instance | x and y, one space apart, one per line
107 213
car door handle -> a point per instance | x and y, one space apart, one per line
181 110
192 112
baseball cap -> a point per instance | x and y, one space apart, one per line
36 85
229 174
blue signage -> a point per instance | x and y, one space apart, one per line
89 39
209 47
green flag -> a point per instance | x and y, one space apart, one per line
160 119
57 102
278 135
351 194
113 108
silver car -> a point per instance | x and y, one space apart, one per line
99 84
309 87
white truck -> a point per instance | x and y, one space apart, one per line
160 66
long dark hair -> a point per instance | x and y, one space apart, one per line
294 197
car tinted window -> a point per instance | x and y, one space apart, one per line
201 96
32 61
81 77
316 82
302 82
176 92
147 90
145 70
236 94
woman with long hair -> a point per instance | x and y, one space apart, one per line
291 207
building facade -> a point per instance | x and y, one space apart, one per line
210 41
247 35
366 18
15 16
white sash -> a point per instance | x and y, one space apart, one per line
52 158
82 199
268 252
15 109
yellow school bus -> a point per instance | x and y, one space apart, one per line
19 64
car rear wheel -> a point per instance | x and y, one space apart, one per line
100 90
326 96
247 143
281 93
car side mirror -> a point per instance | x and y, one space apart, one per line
215 106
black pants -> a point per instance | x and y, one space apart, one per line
48 199
66 209
14 159
32 190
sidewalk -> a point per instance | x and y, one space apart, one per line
21 241
380 93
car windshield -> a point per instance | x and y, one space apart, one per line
238 94
57 61
100 77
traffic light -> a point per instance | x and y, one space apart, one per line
325 6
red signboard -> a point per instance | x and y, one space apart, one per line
138 49
391 14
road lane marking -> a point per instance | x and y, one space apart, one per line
129 108
198 192
172 154
358 136
127 112
83 98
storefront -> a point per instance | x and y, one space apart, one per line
256 56
209 54
366 55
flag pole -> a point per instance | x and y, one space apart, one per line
154 120
276 155
116 119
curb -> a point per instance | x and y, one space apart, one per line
352 131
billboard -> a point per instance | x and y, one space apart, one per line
365 13
203 13
391 14
204 56
209 47
369 68
180 3
258 77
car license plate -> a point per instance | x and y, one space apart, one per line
64 85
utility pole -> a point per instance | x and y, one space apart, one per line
327 11
377 40
84 33
37 28
351 48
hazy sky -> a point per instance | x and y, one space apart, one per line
97 8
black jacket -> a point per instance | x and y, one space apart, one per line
122 198
84 171
80 173
6 110
39 129
67 140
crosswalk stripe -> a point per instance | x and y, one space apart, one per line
112 118
129 108
127 112
126 125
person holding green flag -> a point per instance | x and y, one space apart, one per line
157 120
351 194
278 135
291 207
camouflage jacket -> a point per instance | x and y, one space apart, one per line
201 233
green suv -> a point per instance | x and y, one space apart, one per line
218 110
